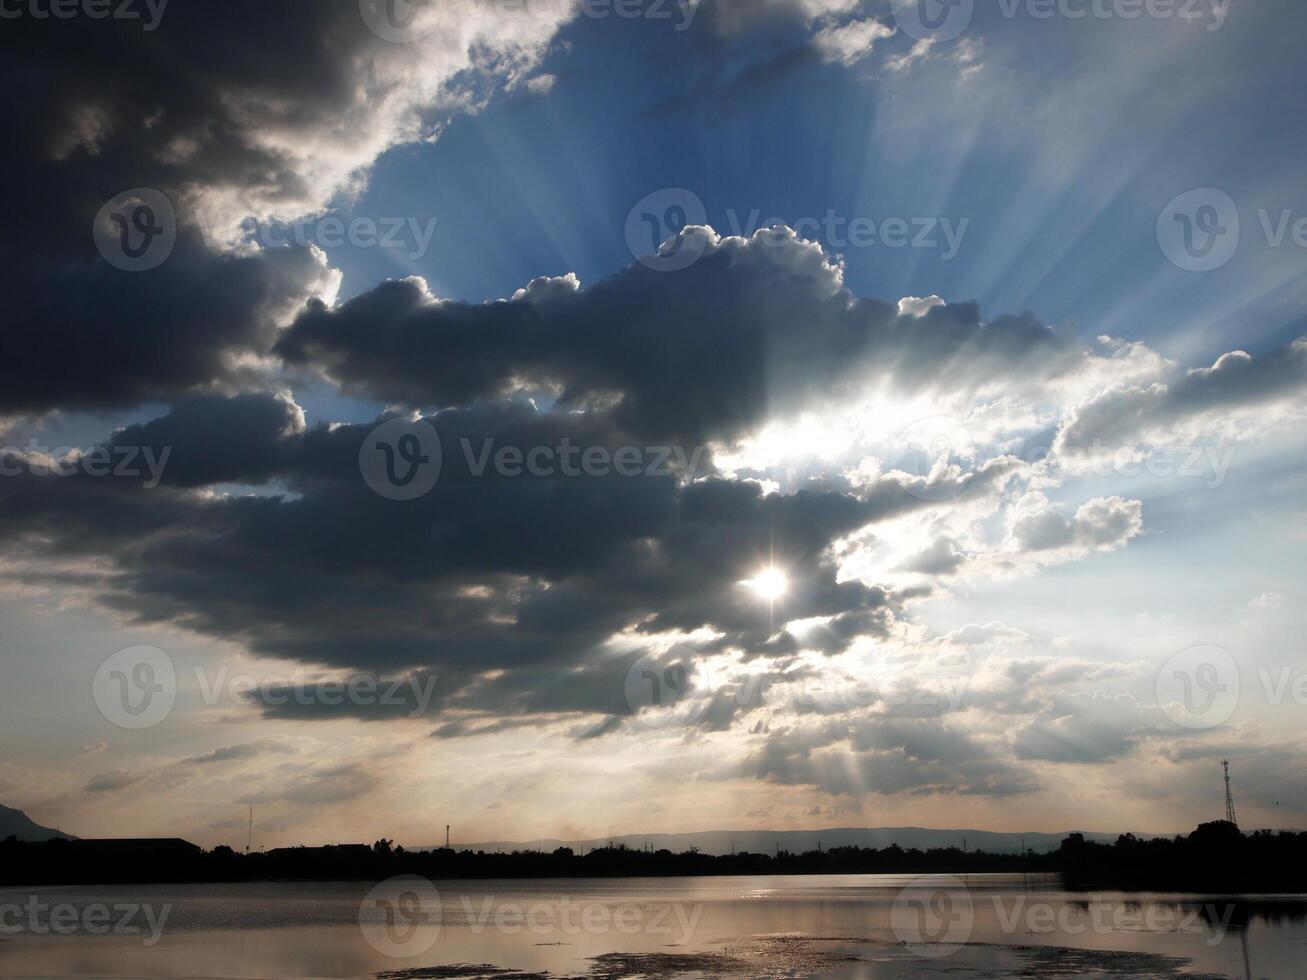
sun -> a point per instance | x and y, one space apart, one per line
770 584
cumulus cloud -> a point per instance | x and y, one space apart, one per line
524 570
707 353
527 599
533 593
1236 390
1102 524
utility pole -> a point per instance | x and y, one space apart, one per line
249 834
446 836
1229 797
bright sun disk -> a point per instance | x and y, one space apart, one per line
770 584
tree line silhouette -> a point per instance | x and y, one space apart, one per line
1214 857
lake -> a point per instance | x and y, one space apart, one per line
850 926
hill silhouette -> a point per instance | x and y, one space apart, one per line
16 823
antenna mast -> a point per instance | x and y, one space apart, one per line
1229 797
249 834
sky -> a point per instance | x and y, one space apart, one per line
560 419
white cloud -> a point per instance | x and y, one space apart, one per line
1267 600
919 306
541 84
851 42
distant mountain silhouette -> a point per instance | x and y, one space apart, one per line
801 841
16 823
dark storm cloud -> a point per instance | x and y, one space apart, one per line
247 100
508 590
231 110
107 107
244 439
484 573
90 335
753 328
105 102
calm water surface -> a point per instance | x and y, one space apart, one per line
853 926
